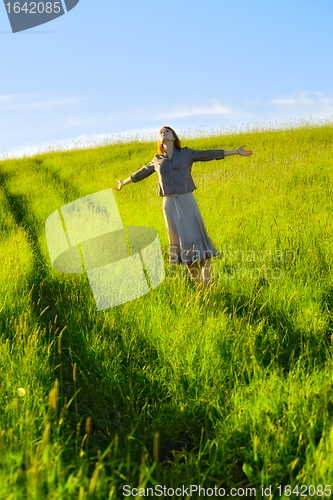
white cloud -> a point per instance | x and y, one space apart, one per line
78 121
36 101
186 111
307 101
293 100
81 142
81 121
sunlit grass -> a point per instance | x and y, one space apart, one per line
230 386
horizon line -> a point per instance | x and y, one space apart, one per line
147 135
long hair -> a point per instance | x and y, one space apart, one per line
176 143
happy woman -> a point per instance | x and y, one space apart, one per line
187 233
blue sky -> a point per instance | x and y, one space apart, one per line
119 69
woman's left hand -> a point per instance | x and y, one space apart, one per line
242 152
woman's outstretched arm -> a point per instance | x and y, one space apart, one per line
216 154
238 151
122 183
139 175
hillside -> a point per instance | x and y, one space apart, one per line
230 387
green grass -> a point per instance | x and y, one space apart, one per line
228 387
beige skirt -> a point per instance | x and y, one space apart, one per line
187 233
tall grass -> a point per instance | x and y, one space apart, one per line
227 387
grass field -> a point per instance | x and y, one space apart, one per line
229 387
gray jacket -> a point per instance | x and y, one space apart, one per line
174 174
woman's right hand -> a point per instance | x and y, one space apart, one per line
120 185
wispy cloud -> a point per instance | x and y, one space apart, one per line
70 121
308 101
81 142
36 101
187 111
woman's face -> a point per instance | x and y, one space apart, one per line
166 135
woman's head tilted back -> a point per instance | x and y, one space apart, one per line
176 143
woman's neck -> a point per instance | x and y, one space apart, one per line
168 148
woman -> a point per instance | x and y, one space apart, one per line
187 233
